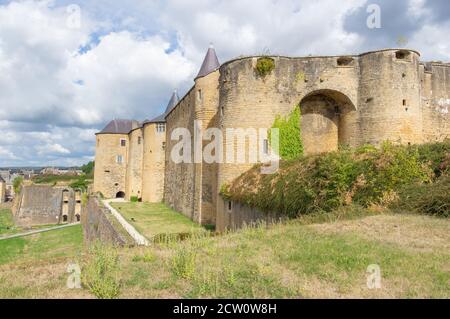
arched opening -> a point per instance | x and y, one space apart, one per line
78 217
120 195
324 113
65 218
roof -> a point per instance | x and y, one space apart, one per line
172 103
120 127
210 63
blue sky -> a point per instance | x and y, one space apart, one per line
63 78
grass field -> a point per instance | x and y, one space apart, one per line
7 226
152 220
303 258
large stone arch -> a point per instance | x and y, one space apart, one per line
324 120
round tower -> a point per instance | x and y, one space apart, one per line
389 97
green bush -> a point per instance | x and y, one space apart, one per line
100 272
430 199
17 184
134 199
265 66
437 155
290 142
81 183
322 183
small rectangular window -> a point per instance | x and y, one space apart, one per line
229 206
199 95
163 145
404 102
139 140
266 147
160 127
119 159
123 142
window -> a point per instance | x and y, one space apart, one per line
139 140
403 55
160 127
163 145
230 207
123 142
65 218
345 61
199 95
119 159
404 102
266 147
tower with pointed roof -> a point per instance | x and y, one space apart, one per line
154 154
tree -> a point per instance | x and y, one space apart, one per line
88 168
17 184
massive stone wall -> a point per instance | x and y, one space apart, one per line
46 205
134 166
435 78
98 225
153 164
180 178
109 175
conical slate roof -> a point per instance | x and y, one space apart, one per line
172 103
210 63
120 127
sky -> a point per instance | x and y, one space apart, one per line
68 67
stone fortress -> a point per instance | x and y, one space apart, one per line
350 100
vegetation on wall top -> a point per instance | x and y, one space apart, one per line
264 66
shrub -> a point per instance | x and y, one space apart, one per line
430 199
183 263
264 66
101 272
17 184
81 183
134 199
290 142
437 155
322 183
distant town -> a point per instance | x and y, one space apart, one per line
9 174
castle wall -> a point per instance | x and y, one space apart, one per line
134 166
110 176
206 107
153 164
46 205
249 101
389 98
436 101
180 178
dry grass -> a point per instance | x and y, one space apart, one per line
290 260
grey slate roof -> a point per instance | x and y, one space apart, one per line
172 103
120 127
210 63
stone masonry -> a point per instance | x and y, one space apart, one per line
345 100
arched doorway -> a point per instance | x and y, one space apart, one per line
323 120
120 195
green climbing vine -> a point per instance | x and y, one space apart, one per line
290 141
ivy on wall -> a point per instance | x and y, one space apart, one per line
290 142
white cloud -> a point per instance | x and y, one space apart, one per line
59 85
